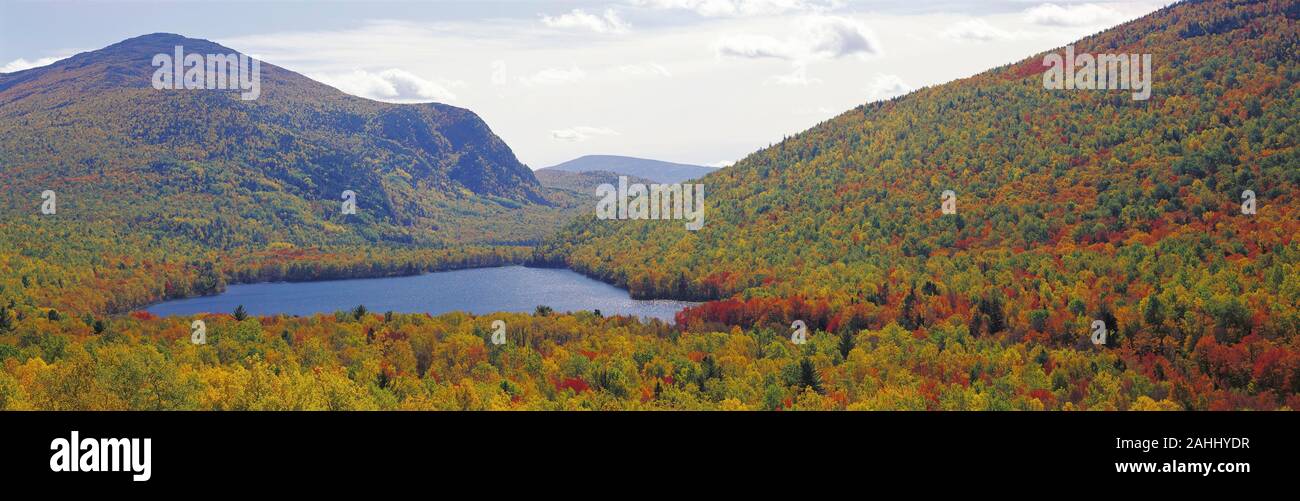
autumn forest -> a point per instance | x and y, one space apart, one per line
1070 210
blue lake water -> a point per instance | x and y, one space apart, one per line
478 291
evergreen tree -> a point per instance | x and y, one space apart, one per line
6 323
846 344
808 377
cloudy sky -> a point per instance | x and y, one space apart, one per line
695 81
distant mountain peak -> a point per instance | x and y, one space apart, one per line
164 39
655 170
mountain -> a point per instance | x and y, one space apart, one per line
655 170
211 166
161 193
1074 208
583 182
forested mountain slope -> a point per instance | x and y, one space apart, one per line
211 166
1071 206
154 189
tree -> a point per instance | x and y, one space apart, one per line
909 318
6 323
846 344
991 306
240 313
1038 319
808 377
1153 314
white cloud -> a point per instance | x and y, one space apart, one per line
887 86
580 19
21 64
740 8
722 163
755 47
391 85
645 70
499 75
1088 14
797 78
581 133
555 76
817 37
975 30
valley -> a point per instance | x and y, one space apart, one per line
1072 210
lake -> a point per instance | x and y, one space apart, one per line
478 291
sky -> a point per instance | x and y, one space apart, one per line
694 81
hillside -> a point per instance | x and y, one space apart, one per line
156 189
655 170
1072 206
226 171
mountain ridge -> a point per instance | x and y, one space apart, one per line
300 142
584 182
656 170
